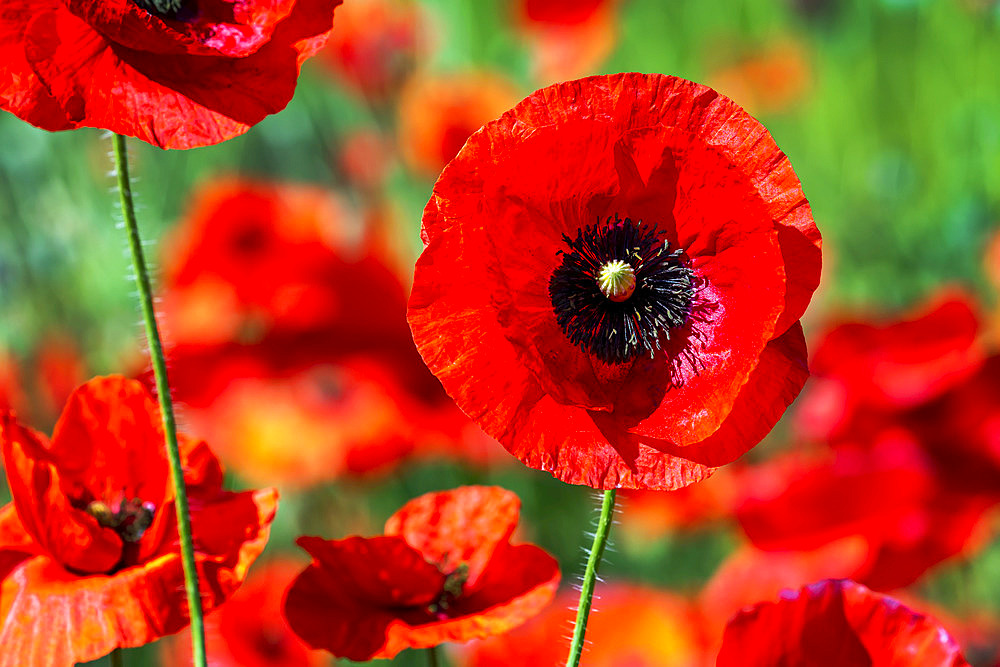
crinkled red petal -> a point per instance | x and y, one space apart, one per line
461 526
172 101
21 92
836 623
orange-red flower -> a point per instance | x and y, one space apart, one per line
612 277
444 571
885 495
312 345
437 114
249 630
768 81
862 366
629 626
375 45
836 623
174 73
567 39
88 549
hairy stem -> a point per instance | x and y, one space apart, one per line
590 578
166 407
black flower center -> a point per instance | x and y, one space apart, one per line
129 518
619 289
167 9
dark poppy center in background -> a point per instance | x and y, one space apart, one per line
616 332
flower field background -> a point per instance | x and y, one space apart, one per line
284 258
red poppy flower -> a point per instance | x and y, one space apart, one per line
861 366
567 39
611 281
840 624
629 626
444 571
886 496
375 45
249 630
174 73
88 549
314 341
767 81
437 115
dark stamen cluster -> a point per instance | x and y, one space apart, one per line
167 9
128 518
617 332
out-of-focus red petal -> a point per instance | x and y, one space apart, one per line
56 617
904 362
465 525
250 630
836 623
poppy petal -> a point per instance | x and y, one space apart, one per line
836 622
461 526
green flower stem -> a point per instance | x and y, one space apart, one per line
590 577
432 657
166 407
116 658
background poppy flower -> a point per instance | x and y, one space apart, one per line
375 45
438 113
313 345
174 73
88 550
886 497
567 39
444 571
648 189
836 623
250 630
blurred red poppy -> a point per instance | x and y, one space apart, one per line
444 571
437 115
860 366
840 624
317 334
59 369
630 626
375 45
250 630
174 73
567 39
770 80
11 392
886 496
612 278
88 549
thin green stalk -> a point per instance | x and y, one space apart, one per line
116 658
590 577
432 657
166 407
